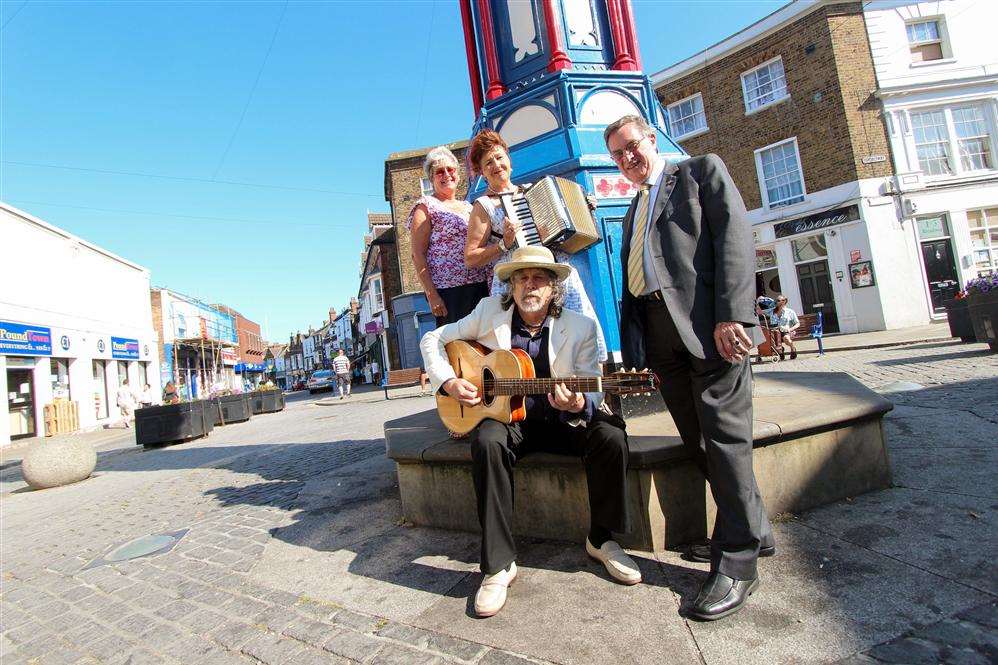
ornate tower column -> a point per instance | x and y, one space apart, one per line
549 76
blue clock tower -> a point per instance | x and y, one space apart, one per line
549 76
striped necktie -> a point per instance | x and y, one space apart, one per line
635 260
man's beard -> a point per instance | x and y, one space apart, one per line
531 304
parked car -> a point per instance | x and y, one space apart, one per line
322 379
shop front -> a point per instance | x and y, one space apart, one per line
823 263
41 364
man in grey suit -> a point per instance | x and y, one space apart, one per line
688 296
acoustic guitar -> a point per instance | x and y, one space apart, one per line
504 378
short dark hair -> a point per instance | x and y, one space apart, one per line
642 124
481 145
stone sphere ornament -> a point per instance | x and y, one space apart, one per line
56 463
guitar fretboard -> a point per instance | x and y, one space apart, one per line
578 384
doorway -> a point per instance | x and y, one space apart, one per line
940 272
816 293
21 402
100 389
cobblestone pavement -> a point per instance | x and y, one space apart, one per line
242 492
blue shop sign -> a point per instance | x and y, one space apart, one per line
17 339
124 349
243 368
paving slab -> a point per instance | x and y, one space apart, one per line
920 428
969 471
564 608
950 535
821 599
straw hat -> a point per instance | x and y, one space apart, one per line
532 257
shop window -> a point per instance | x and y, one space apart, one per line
59 371
780 176
810 248
122 371
143 375
925 40
984 239
687 117
765 258
764 85
425 186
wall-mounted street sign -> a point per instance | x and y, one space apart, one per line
874 159
17 339
817 221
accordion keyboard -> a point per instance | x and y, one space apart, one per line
521 213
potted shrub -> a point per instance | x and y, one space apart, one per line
982 304
958 317
229 407
267 399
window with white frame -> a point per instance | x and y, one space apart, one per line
425 186
764 85
377 296
984 239
687 117
780 178
925 40
953 140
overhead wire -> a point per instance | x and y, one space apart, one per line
256 82
12 16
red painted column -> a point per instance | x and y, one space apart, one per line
559 58
491 56
631 31
472 54
621 42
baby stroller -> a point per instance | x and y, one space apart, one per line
767 347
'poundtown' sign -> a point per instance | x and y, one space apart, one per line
817 221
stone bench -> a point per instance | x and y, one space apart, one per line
818 438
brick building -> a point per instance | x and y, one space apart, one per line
790 104
376 347
405 182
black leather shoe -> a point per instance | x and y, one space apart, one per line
720 596
701 552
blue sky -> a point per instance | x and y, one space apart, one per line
234 148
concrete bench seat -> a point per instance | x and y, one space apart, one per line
817 438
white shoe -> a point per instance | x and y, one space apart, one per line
491 595
620 566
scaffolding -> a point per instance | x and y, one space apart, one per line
198 361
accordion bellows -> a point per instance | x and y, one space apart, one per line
554 213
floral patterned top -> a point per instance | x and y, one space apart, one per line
445 253
576 298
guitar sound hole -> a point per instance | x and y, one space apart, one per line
488 377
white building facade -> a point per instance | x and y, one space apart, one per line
937 75
75 322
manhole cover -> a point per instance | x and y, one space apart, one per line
159 543
901 387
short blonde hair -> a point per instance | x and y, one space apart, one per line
434 157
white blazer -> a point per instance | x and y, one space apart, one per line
572 348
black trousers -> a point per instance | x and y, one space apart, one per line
711 402
461 300
495 448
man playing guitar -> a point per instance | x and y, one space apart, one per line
561 343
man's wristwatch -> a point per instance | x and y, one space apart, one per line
502 245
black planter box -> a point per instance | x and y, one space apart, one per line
267 401
173 423
232 409
983 308
958 317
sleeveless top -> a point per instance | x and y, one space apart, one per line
445 252
576 298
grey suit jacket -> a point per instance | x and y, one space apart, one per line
704 258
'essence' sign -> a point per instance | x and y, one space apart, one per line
17 339
817 221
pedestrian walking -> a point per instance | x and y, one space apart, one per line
341 365
126 402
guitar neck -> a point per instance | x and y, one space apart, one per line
577 384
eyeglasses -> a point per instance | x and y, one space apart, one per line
629 149
445 170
